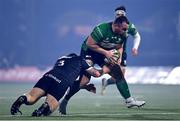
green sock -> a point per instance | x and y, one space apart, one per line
123 88
121 83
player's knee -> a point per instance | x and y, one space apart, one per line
30 99
116 72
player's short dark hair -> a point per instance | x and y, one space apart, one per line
121 19
121 8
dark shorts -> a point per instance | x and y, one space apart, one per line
96 58
53 87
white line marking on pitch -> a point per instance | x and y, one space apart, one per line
100 114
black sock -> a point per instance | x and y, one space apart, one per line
121 83
44 109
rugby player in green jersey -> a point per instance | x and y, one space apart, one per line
95 49
121 11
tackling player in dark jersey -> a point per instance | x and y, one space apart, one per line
54 84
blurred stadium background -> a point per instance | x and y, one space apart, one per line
34 33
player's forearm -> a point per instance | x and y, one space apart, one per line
97 48
91 44
137 40
95 72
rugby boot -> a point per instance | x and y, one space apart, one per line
16 105
131 102
43 110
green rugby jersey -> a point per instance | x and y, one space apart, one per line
131 29
105 37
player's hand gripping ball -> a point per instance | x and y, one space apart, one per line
115 58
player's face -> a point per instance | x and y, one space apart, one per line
118 15
120 28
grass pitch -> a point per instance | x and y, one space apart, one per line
162 103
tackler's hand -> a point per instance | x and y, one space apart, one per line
90 87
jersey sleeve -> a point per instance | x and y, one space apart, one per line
97 33
132 29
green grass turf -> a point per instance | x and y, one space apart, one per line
162 103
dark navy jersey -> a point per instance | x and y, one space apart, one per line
69 68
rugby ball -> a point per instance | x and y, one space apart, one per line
116 56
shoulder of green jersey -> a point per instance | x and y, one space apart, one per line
99 30
132 25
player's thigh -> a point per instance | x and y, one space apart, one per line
40 87
58 88
35 94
